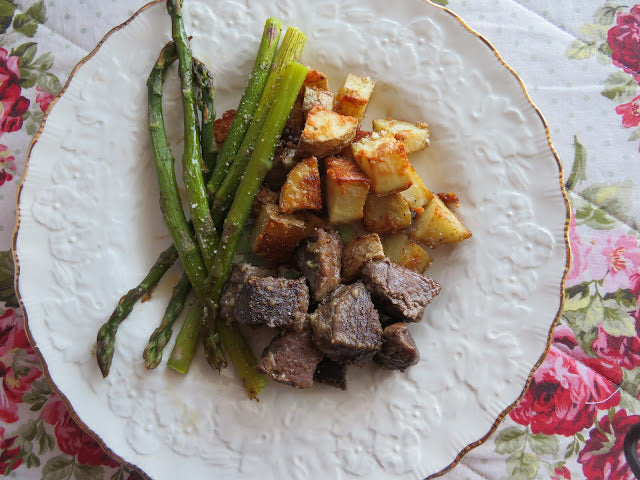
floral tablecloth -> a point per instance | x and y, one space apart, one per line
580 61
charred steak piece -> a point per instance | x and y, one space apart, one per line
274 302
331 373
346 327
401 292
398 351
291 358
240 273
319 259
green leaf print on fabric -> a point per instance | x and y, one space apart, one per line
620 86
7 10
510 440
606 14
7 290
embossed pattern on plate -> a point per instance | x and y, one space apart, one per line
90 228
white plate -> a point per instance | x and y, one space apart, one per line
90 228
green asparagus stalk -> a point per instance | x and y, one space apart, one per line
244 113
259 165
248 102
170 203
192 157
107 333
167 257
289 52
205 95
187 340
160 337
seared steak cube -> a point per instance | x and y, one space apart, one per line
319 260
240 273
399 351
274 302
358 252
291 358
346 327
401 292
331 373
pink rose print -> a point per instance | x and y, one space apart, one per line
19 366
564 396
615 258
630 113
8 453
564 340
579 255
12 104
71 439
43 99
603 457
561 473
624 40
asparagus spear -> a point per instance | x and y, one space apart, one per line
259 165
248 102
289 52
205 94
170 204
107 333
192 157
187 340
160 337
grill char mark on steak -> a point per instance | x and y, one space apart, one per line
319 260
274 302
401 292
346 326
291 358
399 350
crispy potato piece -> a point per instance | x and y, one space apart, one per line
402 250
386 214
301 190
346 189
353 97
414 136
307 98
222 125
384 160
358 252
276 235
325 133
438 225
417 195
313 96
316 79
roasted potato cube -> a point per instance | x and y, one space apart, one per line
314 96
325 133
438 225
346 189
301 190
386 214
353 97
276 235
414 136
417 195
316 79
358 252
384 160
402 250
